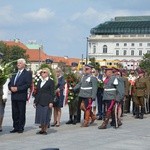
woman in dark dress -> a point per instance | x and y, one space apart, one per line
44 101
59 93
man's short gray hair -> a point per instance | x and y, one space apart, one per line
22 60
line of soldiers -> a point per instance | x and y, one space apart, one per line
113 91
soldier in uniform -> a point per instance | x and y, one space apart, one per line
120 92
109 96
88 91
140 92
74 109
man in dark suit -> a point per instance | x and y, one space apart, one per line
18 86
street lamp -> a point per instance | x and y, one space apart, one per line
87 50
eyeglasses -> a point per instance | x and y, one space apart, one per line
43 72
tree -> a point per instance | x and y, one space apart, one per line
145 63
11 53
94 63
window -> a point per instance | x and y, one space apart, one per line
132 52
125 44
105 49
132 44
140 52
148 51
117 52
90 45
94 49
124 52
117 44
140 44
148 44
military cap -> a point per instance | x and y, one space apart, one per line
116 70
89 66
74 64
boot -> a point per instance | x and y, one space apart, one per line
70 121
136 112
1 121
142 113
113 121
75 120
86 120
93 117
104 124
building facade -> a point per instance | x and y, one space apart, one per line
123 40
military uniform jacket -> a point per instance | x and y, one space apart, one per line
141 87
110 89
120 89
87 87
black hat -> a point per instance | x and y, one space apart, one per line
74 64
89 65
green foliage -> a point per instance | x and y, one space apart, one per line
94 63
71 80
145 63
11 53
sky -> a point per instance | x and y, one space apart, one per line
62 26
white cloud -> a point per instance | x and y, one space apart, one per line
92 16
42 14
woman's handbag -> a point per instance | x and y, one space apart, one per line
55 101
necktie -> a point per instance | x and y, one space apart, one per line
17 76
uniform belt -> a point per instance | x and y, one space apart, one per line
86 88
113 89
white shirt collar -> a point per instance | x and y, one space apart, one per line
46 79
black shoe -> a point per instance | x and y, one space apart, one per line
78 121
40 132
13 131
44 133
136 117
141 117
74 122
1 130
53 125
69 122
20 131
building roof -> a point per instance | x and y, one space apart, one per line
123 25
15 43
36 55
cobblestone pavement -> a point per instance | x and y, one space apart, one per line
134 134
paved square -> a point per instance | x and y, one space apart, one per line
134 134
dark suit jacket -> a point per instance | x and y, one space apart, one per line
23 83
45 94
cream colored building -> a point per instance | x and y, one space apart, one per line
123 40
